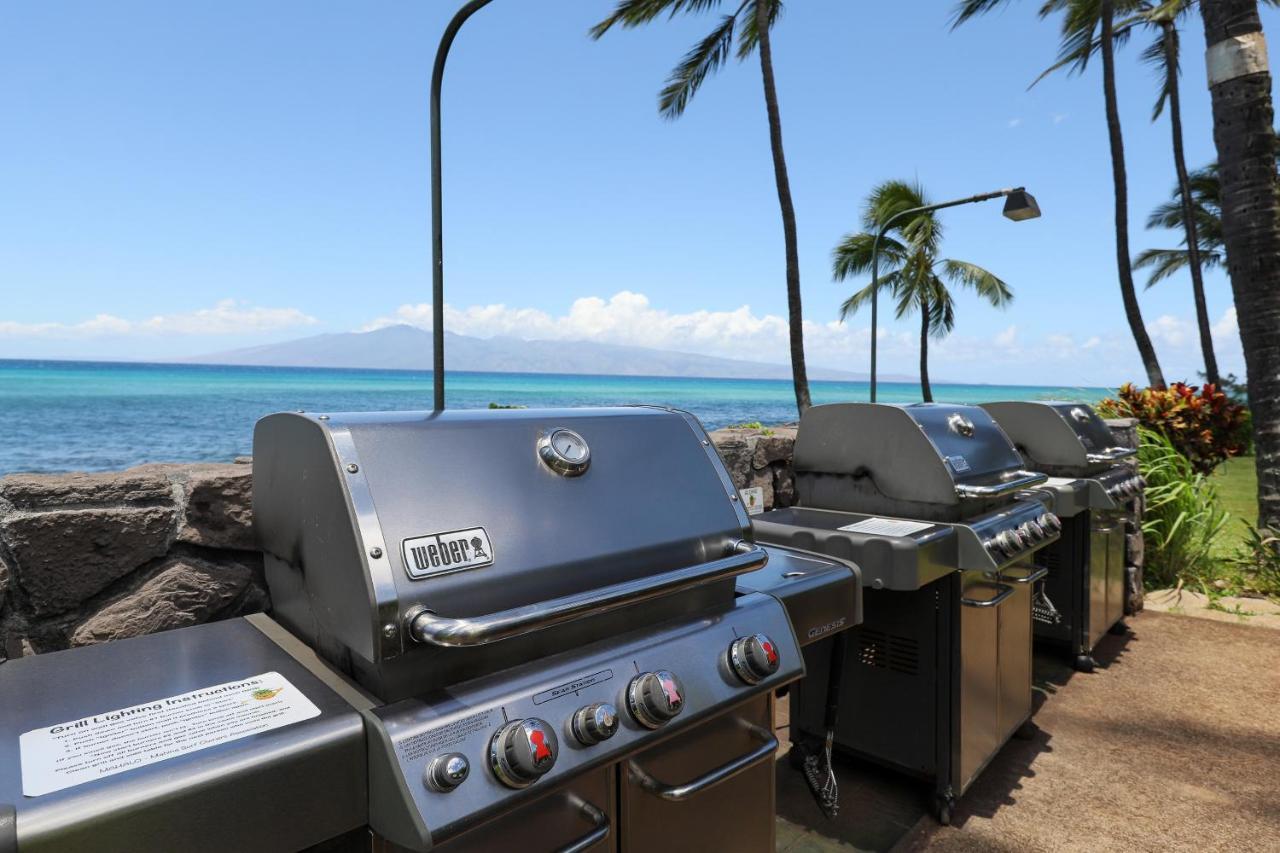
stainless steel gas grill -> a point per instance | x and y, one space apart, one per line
544 609
1092 485
932 503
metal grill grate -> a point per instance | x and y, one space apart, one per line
886 651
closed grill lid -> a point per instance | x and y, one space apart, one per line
1059 438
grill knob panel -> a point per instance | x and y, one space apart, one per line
753 658
446 772
655 698
1009 541
594 723
522 751
1050 522
1033 531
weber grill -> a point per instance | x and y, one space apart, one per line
932 503
566 634
1092 486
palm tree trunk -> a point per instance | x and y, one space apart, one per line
926 392
1170 36
1131 310
1243 116
795 316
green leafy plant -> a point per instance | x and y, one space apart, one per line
1202 423
1258 561
756 425
1182 517
503 406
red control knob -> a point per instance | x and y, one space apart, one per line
753 658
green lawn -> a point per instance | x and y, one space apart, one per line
1237 484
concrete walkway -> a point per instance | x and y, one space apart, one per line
1172 744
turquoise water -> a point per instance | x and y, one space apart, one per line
65 416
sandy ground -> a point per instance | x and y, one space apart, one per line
1172 744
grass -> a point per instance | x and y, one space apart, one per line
1237 485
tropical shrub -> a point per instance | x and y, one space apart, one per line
1202 423
1258 561
1182 517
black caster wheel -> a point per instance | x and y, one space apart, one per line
1119 629
943 807
795 757
1026 731
1085 663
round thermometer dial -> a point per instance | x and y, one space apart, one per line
564 451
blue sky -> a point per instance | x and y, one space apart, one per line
187 178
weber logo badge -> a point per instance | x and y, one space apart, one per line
447 552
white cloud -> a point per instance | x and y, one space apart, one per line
1007 338
1059 118
1014 122
227 317
1227 328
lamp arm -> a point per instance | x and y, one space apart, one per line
437 204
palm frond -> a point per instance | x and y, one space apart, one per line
749 35
967 9
1165 263
852 255
980 280
634 13
891 282
705 57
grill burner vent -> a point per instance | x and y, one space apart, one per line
880 650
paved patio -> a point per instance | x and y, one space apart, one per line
1172 744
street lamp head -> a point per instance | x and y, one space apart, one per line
1020 205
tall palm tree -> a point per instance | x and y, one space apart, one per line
912 272
1081 20
1243 118
751 21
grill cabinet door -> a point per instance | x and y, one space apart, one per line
1115 572
980 733
1099 548
733 815
1015 655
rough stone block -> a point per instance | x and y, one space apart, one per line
219 511
736 451
64 557
774 448
784 486
184 592
1134 549
5 578
37 491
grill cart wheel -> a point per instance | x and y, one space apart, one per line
1085 663
1119 629
943 806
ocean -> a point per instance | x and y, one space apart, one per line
93 416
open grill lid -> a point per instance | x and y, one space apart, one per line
367 519
1061 439
925 460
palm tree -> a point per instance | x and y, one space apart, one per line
1243 114
752 22
1081 20
912 272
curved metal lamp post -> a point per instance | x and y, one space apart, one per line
1019 205
437 204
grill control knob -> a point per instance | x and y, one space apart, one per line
522 751
1007 541
655 698
753 658
1032 532
594 723
448 771
1051 523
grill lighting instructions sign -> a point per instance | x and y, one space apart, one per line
72 753
887 527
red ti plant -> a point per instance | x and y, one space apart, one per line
1200 421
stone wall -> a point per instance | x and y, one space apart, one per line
86 558
1125 433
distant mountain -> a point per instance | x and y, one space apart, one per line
409 348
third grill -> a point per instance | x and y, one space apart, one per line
935 505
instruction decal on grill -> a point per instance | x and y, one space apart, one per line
438 553
887 526
958 464
110 742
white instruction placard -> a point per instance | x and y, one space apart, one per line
78 751
886 527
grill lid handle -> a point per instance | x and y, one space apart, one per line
432 629
1022 480
1111 454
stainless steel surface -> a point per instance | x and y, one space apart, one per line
1116 572
406 735
564 451
678 793
1031 575
655 698
594 723
980 692
1016 481
736 815
600 829
822 595
523 751
284 789
1002 592
1106 574
427 627
1060 439
1113 454
448 771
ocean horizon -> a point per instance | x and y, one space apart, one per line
95 416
